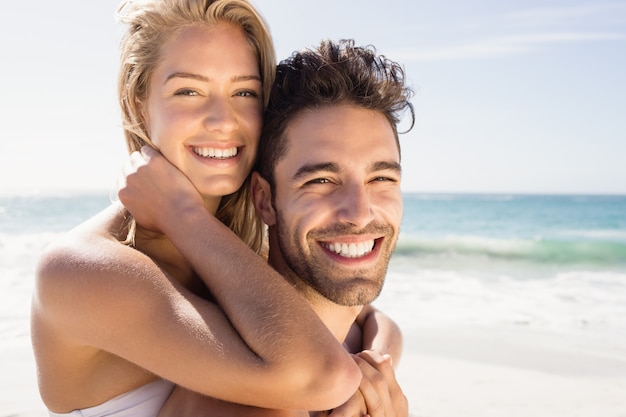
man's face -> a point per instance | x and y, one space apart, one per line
337 202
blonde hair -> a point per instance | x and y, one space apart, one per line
150 24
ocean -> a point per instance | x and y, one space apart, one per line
547 262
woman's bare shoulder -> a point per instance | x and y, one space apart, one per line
91 242
89 257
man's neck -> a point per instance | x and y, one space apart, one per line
336 317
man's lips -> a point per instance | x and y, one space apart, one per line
351 249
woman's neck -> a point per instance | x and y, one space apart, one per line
162 251
160 248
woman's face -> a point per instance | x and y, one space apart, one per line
204 106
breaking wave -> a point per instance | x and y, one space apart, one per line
542 251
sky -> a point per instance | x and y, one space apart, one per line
511 96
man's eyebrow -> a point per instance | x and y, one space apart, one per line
386 165
308 169
198 77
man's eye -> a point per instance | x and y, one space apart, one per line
318 181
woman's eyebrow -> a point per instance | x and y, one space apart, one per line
251 77
198 77
186 75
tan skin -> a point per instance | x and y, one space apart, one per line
362 188
108 318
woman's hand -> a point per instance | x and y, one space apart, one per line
153 190
379 394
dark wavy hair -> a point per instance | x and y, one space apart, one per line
335 73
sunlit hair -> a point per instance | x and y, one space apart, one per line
151 23
335 73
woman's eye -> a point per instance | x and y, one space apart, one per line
186 93
383 179
247 93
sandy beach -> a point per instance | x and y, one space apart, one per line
446 372
490 372
18 381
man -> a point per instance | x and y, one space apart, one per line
328 187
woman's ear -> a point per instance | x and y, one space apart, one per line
262 199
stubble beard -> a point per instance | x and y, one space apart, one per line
345 288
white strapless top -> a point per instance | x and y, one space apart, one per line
145 401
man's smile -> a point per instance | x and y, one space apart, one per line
350 249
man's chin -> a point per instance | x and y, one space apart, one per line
357 292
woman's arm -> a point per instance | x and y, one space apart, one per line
273 321
373 330
262 345
264 309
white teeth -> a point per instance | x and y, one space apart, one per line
351 250
215 152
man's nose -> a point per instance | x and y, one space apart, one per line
355 206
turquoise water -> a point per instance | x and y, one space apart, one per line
542 229
526 217
26 214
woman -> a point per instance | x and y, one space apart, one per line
119 314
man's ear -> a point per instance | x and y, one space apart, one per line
262 199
